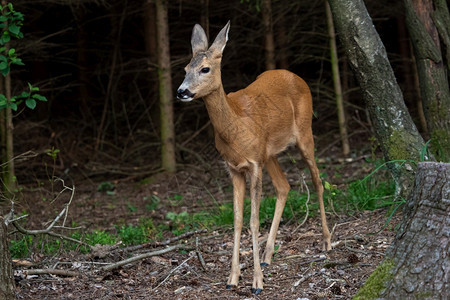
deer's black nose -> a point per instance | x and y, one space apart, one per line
184 94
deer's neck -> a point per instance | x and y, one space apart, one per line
219 110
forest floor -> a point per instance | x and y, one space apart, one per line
300 269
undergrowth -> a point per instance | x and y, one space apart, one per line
373 192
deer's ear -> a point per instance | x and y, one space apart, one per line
220 41
199 41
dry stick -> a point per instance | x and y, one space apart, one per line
199 255
164 243
52 224
52 271
306 204
173 270
145 255
297 283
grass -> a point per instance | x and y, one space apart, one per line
372 192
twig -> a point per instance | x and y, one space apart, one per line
145 255
163 243
51 271
199 255
181 236
306 204
170 273
297 283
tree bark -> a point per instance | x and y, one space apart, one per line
7 287
165 88
337 82
420 250
431 68
269 43
395 131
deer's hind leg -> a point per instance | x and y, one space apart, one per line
306 145
282 188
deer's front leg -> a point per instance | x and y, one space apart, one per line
255 195
238 207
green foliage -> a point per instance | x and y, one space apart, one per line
53 153
371 194
133 235
19 248
11 22
106 187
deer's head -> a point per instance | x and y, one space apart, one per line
203 71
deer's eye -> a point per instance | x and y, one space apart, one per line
204 70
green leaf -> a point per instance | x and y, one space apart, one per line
5 71
30 103
32 88
3 18
13 106
3 65
25 94
39 97
17 61
14 29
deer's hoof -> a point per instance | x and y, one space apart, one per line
264 264
256 291
230 286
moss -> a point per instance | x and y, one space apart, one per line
440 144
375 284
399 146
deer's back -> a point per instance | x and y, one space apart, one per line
276 106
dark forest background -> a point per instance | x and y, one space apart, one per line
95 62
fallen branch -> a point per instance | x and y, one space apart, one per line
163 243
51 271
145 255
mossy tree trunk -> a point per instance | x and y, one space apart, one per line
417 263
7 288
420 251
428 23
165 88
395 131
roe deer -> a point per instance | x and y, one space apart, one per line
251 127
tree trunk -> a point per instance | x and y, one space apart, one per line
269 44
421 20
337 82
8 173
420 250
152 78
165 88
417 264
7 288
394 128
282 42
